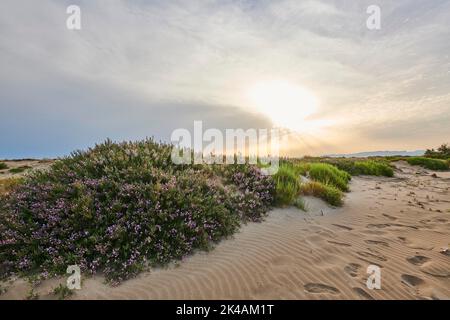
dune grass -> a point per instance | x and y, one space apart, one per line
373 168
428 163
329 175
354 166
19 169
7 184
287 185
368 167
327 183
328 193
3 166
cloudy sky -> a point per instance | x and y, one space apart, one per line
144 68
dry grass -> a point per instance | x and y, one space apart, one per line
7 184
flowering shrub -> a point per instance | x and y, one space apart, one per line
118 208
256 191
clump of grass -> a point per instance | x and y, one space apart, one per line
32 295
7 184
301 168
62 292
300 203
431 164
355 167
287 185
19 169
373 168
3 290
3 166
329 175
328 193
396 158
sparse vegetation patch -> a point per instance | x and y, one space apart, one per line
428 163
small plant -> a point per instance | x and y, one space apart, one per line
3 290
19 169
373 168
329 175
287 185
32 295
62 292
428 163
3 166
6 185
355 167
299 203
328 193
301 168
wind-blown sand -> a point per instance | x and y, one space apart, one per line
400 224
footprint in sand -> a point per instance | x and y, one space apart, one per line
412 281
418 260
320 288
352 269
360 292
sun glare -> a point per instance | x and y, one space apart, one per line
286 104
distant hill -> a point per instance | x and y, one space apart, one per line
378 154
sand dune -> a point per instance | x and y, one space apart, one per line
399 224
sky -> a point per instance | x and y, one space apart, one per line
141 69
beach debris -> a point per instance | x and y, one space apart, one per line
445 251
434 175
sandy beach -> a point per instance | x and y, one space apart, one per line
400 224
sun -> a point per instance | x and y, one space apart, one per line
286 104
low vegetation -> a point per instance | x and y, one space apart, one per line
7 184
328 193
328 181
287 185
373 168
62 292
356 167
3 166
19 169
118 208
429 163
329 175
